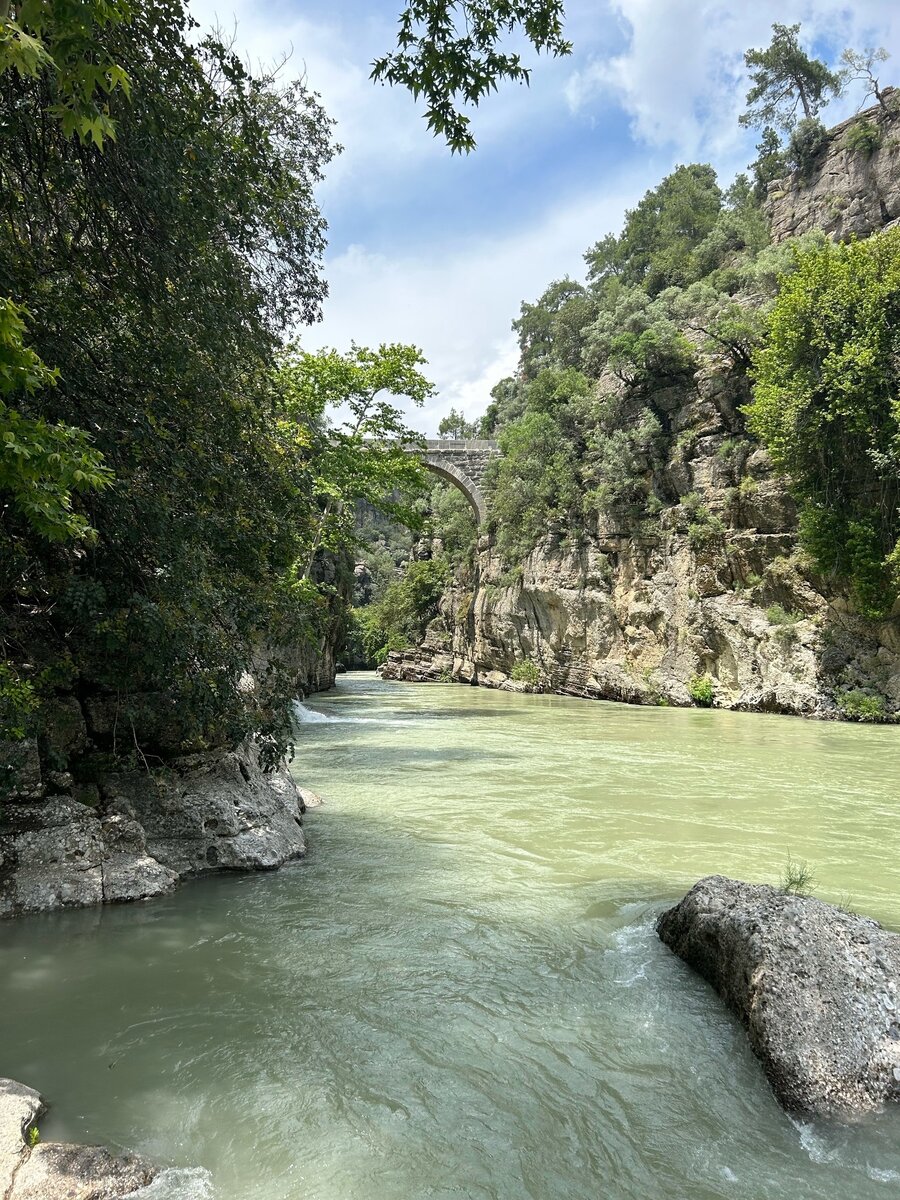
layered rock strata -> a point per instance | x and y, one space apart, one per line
817 989
711 587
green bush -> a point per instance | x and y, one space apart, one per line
808 138
857 705
863 137
825 406
700 690
526 672
797 878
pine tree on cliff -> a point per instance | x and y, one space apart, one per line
786 79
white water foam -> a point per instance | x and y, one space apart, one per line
178 1183
309 716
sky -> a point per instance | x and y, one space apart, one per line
440 250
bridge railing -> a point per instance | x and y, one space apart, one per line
460 444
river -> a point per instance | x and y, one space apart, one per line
459 993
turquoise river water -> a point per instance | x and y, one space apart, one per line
460 994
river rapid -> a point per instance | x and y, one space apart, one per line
459 994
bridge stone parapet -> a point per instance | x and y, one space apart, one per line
464 463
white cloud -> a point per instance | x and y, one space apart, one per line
457 300
681 77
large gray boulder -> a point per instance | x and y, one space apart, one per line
217 811
817 988
57 1170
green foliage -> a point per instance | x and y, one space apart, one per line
157 278
449 53
551 332
34 1136
776 614
771 162
452 519
532 484
797 878
18 702
863 137
365 457
807 139
857 705
786 79
656 247
455 425
704 529
526 672
400 617
638 341
507 405
826 406
62 42
700 690
42 465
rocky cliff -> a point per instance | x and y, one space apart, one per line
712 588
852 187
706 597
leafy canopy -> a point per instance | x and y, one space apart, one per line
364 455
450 53
827 406
786 79
59 39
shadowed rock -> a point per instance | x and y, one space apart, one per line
55 1170
817 989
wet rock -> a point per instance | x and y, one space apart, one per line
815 987
205 812
215 811
56 1170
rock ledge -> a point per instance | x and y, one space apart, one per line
817 988
57 1170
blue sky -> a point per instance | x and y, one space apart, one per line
440 250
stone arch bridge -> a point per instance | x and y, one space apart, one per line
463 463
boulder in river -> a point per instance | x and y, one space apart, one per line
817 988
57 1170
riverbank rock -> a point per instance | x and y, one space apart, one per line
57 1170
817 988
145 831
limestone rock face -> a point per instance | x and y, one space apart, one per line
55 1170
818 990
848 191
638 611
202 813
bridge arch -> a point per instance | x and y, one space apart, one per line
462 463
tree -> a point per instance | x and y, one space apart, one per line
158 277
771 162
860 64
551 330
655 248
533 483
366 456
455 425
785 78
60 42
448 52
825 405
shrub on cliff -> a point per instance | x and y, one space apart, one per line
826 406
